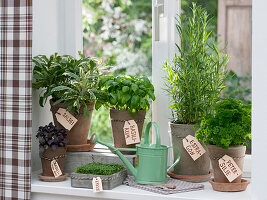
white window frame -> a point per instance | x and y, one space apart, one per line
259 96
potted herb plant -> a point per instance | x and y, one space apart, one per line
72 84
112 175
226 132
194 80
52 147
128 99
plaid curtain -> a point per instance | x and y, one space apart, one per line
15 98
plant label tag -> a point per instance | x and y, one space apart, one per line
55 169
97 184
131 132
229 168
65 118
193 147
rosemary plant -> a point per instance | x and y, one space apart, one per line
195 78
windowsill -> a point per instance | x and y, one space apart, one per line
64 190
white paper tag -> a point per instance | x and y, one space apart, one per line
65 118
97 184
55 168
229 168
131 132
193 147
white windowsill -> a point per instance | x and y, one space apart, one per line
63 190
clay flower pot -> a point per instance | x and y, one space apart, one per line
187 167
49 155
79 133
118 118
215 153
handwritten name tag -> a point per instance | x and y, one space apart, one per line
193 147
229 168
131 132
55 169
97 184
65 118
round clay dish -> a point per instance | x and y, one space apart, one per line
82 147
229 187
52 178
192 179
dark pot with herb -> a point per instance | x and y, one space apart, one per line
128 99
72 84
194 81
52 146
226 132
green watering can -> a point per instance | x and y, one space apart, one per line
151 159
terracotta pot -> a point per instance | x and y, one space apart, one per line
118 118
48 156
215 153
187 166
79 133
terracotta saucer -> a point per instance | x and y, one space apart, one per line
229 187
82 147
192 179
52 178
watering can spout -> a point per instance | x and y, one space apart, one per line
115 150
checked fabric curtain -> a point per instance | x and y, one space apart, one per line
15 98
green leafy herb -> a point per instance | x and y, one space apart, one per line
130 93
195 78
51 136
67 79
99 169
229 126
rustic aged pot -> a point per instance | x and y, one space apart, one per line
79 133
49 155
118 118
215 153
187 166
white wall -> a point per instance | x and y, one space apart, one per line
259 96
163 50
57 27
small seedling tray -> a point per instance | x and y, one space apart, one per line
108 181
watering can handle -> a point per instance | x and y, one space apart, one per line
157 133
177 160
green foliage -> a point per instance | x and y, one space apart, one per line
229 126
66 79
116 29
238 87
211 6
99 169
100 124
81 89
125 93
48 73
195 78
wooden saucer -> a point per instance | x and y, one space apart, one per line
192 179
229 187
52 178
82 147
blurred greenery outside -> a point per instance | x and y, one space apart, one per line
119 32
